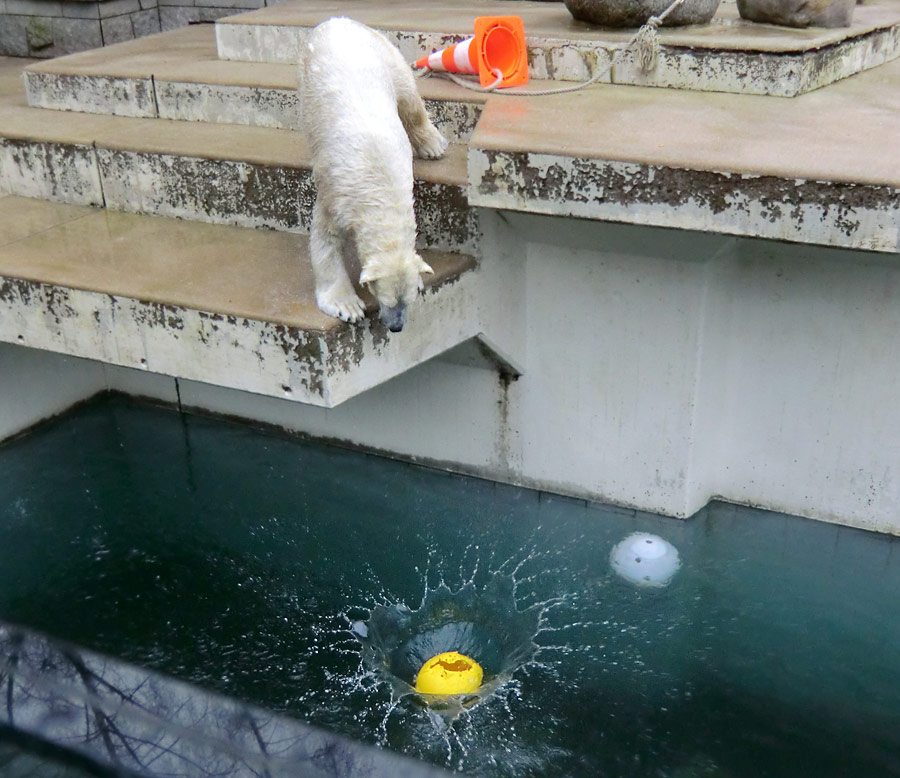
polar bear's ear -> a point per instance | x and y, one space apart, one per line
423 267
371 272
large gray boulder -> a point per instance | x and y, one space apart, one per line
634 13
799 13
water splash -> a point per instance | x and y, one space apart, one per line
495 613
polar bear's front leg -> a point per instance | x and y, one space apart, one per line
335 294
425 139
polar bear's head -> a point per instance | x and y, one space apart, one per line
395 280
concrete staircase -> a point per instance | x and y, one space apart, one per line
200 125
160 127
253 175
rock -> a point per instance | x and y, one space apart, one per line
40 33
799 13
634 13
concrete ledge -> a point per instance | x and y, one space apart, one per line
728 55
830 213
812 170
177 76
219 305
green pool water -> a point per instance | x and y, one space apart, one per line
251 563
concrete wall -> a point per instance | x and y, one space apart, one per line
35 385
797 408
661 368
38 384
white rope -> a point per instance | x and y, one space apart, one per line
645 42
425 73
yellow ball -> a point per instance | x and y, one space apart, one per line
449 673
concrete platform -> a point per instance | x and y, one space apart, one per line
177 75
816 169
222 305
244 176
728 55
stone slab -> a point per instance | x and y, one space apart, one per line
728 55
815 169
178 76
216 304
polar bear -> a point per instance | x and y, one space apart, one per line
364 119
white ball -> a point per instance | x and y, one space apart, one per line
645 560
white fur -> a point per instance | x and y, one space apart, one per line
364 119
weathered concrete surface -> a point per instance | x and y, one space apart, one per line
72 92
797 170
728 55
694 366
214 304
177 76
776 74
793 170
65 172
246 176
229 104
708 201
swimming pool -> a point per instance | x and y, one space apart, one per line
256 565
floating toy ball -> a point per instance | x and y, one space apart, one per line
645 560
449 673
498 45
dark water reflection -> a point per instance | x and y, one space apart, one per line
77 713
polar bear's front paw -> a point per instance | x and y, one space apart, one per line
428 143
345 306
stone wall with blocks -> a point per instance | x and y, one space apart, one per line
51 28
179 13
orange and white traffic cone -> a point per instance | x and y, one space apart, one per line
498 44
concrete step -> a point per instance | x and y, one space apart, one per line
727 55
809 170
177 75
238 175
223 305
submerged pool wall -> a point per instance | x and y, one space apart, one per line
659 369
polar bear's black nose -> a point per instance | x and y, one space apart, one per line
393 318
